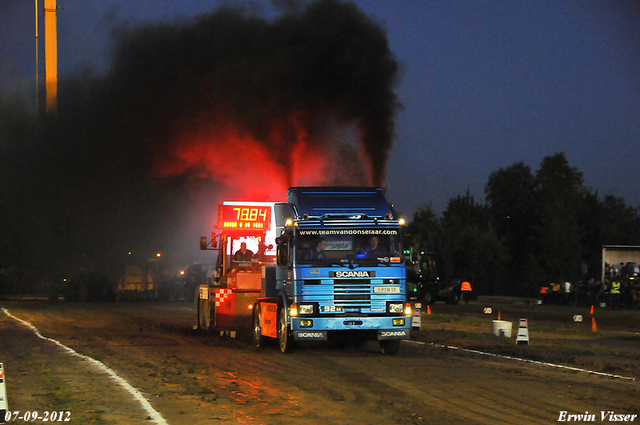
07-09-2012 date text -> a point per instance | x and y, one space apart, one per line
35 416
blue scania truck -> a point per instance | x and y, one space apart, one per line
337 273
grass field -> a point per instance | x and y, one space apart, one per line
611 346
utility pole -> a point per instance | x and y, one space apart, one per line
37 64
51 55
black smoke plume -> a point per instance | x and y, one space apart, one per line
306 96
276 81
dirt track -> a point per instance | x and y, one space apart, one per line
191 378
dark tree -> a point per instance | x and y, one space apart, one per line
558 188
511 204
471 249
533 230
621 223
424 229
592 222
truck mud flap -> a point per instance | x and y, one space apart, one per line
310 335
394 334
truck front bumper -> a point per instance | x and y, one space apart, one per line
317 328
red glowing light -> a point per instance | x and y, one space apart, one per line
263 169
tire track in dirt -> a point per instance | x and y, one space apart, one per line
347 382
192 378
47 378
493 390
197 378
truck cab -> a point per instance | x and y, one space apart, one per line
340 269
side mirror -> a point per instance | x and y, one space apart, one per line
203 244
282 255
285 237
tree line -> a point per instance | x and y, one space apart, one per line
533 229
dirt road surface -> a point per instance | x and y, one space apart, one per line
192 378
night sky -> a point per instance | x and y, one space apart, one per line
481 84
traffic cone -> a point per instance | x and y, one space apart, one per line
594 327
591 310
428 310
498 315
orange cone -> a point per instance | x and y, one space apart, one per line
428 310
498 315
591 310
594 327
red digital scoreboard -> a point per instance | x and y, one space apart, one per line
244 218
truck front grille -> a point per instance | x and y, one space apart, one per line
352 293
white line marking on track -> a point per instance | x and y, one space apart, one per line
153 414
467 350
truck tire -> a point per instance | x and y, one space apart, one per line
285 341
204 315
258 339
390 346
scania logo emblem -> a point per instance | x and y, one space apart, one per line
394 333
310 335
352 273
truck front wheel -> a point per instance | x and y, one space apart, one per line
284 339
258 339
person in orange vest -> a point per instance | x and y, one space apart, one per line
465 289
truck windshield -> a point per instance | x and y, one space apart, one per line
347 246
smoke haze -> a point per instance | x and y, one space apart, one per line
227 105
231 88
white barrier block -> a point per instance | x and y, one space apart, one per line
416 323
3 396
502 328
523 333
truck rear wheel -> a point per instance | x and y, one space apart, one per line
284 339
390 346
258 339
204 314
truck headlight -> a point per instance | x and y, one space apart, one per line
305 309
395 308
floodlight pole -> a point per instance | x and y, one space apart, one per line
37 63
51 54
